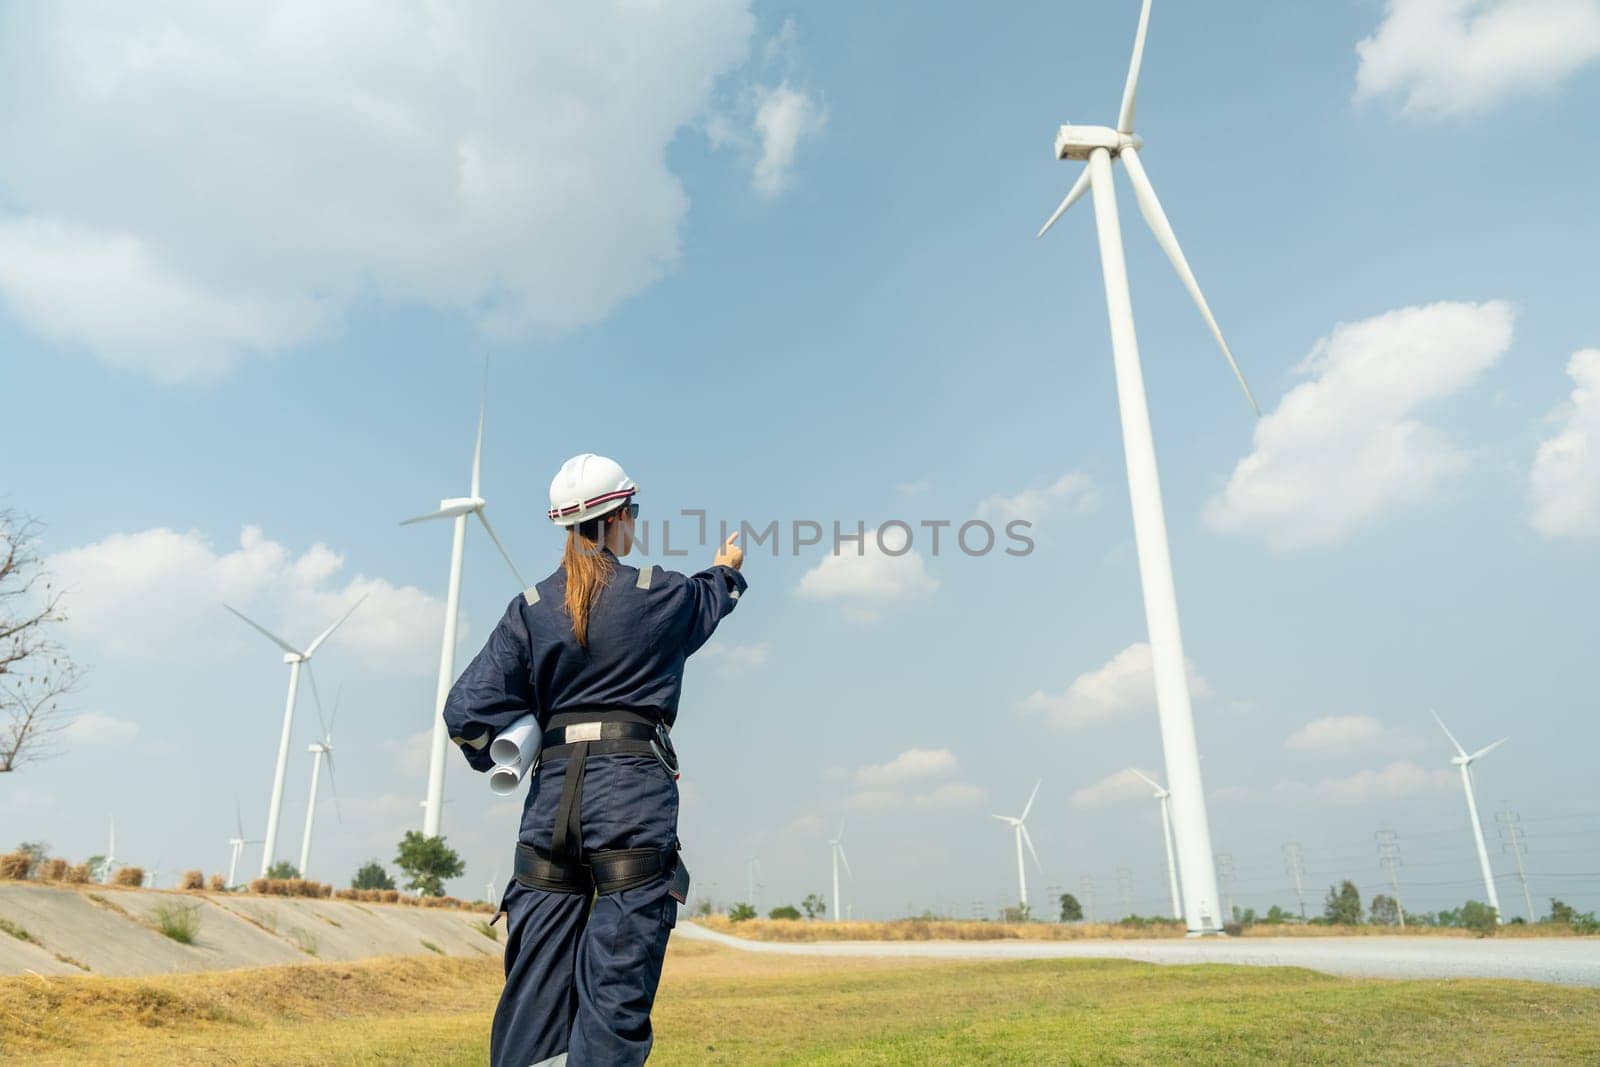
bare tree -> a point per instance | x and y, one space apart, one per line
35 672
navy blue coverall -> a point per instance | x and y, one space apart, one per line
580 983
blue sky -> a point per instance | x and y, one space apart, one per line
780 263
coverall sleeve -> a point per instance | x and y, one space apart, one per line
493 692
709 596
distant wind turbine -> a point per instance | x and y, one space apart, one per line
1019 828
837 847
294 657
1100 146
237 843
1165 798
1465 762
456 508
320 750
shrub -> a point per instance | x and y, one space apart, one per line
217 884
1479 918
14 866
77 874
371 875
258 885
178 920
785 911
390 896
740 912
192 880
487 930
128 876
53 870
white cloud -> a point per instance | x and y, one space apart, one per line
1346 445
1399 779
1453 57
97 728
1113 789
911 765
1124 683
189 183
784 116
1074 491
160 593
1336 732
950 795
805 826
872 578
732 659
1564 484
920 487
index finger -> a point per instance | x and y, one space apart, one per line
733 537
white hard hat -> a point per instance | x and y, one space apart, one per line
587 487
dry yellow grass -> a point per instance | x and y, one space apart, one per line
722 1006
792 930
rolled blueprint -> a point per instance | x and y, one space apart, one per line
515 751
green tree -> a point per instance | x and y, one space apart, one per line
1384 911
1071 910
371 875
282 871
813 906
97 868
1479 918
1343 906
784 911
740 912
1560 912
1276 916
427 862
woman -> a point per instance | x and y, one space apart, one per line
596 651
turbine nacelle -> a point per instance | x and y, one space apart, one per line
1079 142
459 505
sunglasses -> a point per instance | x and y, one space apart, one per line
632 510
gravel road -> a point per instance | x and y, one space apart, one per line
1561 960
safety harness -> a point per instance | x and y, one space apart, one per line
578 735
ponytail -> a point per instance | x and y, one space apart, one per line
588 569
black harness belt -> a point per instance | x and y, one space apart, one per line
605 872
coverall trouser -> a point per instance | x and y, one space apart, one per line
579 982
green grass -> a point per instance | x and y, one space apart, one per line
487 930
18 932
179 921
303 940
718 1006
431 947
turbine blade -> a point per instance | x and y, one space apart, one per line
1156 218
324 635
1459 750
840 835
477 450
1153 783
333 786
1487 749
1031 796
430 515
846 861
1026 840
483 518
338 695
1079 187
316 700
1008 820
238 816
270 636
1130 91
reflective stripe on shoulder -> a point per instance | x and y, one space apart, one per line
646 573
733 595
475 743
531 595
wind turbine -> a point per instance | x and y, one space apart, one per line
1019 827
319 750
1166 839
456 508
294 657
1100 145
837 846
111 853
1465 762
237 843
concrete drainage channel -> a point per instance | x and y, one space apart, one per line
79 930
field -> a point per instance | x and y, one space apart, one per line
969 930
721 1006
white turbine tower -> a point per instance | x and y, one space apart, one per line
837 846
319 750
237 843
294 657
1100 145
1465 762
1165 797
457 508
1019 829
111 853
